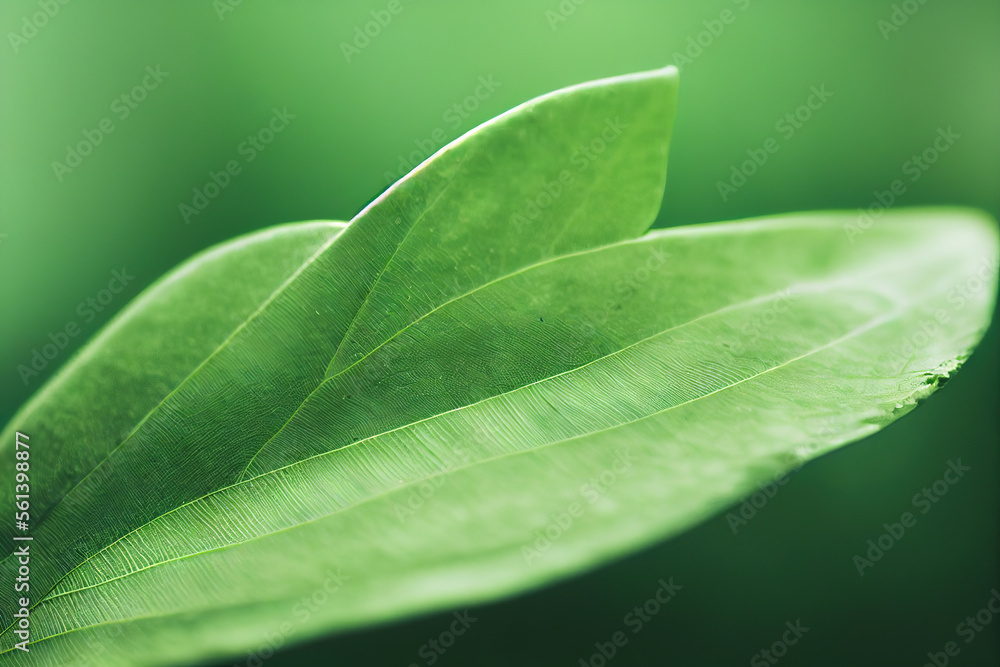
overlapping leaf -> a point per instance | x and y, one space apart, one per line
484 382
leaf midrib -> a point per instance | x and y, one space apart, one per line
871 324
694 230
728 308
752 226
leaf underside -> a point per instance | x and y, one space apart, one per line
401 404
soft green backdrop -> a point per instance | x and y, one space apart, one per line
355 121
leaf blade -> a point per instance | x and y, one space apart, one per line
514 393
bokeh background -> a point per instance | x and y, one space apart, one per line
362 118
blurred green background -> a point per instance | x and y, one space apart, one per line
362 117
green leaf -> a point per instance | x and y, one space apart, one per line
471 390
